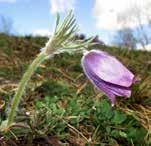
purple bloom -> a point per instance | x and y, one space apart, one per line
107 74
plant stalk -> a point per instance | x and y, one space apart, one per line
22 85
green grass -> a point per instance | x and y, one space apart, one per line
61 106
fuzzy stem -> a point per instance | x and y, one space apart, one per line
22 85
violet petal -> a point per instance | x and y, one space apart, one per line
110 90
107 74
108 68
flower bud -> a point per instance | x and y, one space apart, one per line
108 74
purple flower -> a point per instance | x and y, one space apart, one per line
107 74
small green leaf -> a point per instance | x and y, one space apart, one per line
106 109
119 117
123 134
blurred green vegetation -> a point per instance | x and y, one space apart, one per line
60 106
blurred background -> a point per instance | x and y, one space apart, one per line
125 23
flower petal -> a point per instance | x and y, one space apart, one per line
108 68
109 89
100 85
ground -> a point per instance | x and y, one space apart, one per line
61 107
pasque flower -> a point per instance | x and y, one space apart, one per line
108 74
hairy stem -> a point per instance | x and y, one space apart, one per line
22 85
